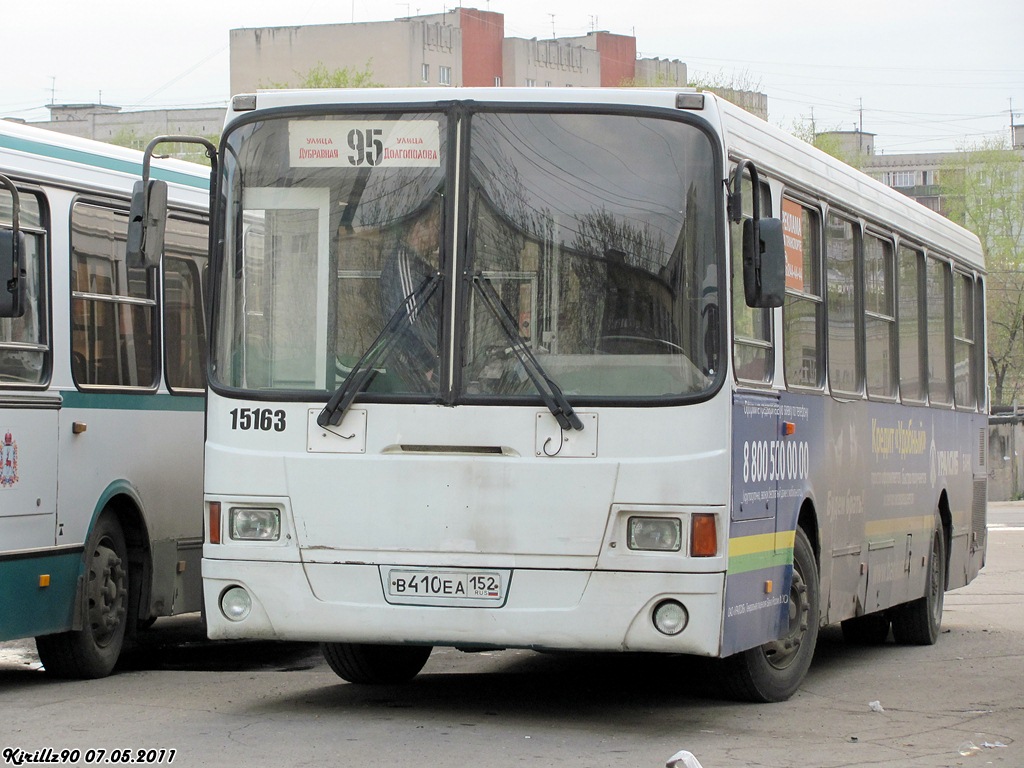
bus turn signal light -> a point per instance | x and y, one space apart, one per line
214 522
703 535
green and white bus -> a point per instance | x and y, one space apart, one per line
102 393
616 370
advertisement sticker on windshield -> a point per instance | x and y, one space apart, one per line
364 144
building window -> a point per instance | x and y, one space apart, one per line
425 73
531 82
497 82
900 178
444 75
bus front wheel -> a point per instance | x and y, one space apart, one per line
92 651
372 664
774 671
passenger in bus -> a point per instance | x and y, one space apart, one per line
405 270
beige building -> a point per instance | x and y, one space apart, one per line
550 63
106 123
396 53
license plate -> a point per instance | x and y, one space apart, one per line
448 585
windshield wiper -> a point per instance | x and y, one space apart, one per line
550 392
365 368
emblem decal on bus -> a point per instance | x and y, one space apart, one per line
8 461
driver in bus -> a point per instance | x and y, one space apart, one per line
411 262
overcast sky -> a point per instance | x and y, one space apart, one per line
922 76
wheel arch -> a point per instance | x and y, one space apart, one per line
946 519
808 521
123 500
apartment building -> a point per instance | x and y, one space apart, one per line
461 47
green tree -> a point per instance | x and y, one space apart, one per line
319 76
983 186
193 153
827 141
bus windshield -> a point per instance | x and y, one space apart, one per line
584 246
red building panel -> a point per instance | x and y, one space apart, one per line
618 58
482 34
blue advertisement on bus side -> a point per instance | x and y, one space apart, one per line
873 476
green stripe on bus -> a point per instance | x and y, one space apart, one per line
123 401
100 161
759 561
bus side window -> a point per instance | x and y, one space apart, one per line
753 354
940 390
802 313
965 368
879 317
845 371
910 305
185 261
113 306
25 340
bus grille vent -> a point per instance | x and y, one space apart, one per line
982 447
978 511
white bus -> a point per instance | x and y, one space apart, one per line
102 392
616 370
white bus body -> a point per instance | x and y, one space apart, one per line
703 478
101 414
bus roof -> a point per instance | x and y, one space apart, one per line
46 155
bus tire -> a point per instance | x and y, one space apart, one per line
919 622
870 629
774 671
92 651
371 664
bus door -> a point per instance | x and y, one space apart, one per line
760 555
39 576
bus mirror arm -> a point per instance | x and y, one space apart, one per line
14 285
764 256
147 217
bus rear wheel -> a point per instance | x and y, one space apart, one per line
919 622
372 664
92 651
774 671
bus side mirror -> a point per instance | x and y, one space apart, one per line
147 220
13 279
764 263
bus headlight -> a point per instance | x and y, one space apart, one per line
255 523
658 534
670 617
235 603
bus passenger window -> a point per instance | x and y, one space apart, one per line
844 370
912 379
753 356
802 312
113 305
965 370
940 391
879 318
25 340
185 261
